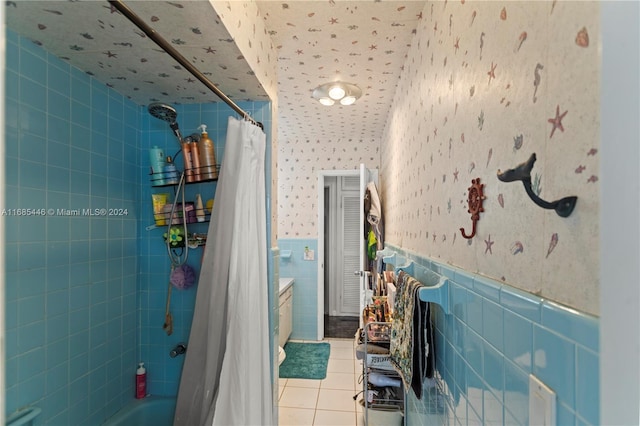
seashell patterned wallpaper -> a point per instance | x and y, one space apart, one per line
485 85
247 26
299 162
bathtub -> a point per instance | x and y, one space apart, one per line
150 411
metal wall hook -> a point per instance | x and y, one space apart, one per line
563 207
476 198
473 231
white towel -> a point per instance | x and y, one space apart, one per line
375 212
391 295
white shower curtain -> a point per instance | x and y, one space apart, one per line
226 377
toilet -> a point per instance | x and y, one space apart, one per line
281 355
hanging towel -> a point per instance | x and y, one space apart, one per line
411 349
373 211
372 245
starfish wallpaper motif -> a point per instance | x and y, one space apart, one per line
488 244
498 87
556 122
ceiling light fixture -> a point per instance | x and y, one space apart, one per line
337 92
326 101
345 93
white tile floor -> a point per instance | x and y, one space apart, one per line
327 402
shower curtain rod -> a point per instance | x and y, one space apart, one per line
160 41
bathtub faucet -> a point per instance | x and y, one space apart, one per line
180 349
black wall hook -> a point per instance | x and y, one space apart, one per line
522 172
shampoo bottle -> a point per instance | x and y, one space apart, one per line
141 381
207 155
195 161
170 173
156 159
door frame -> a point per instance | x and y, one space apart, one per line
322 174
330 231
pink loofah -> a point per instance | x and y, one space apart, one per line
183 277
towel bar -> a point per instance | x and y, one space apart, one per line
438 294
436 286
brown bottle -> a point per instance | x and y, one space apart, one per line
195 161
188 165
207 156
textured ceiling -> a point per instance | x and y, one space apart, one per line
96 38
362 42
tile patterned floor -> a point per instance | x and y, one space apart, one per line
340 327
327 402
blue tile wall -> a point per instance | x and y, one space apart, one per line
70 277
86 294
305 292
163 373
493 339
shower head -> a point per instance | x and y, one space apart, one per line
166 113
163 112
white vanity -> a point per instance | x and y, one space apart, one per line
286 310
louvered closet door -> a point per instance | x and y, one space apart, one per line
350 255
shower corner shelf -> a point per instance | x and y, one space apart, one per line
156 226
168 185
164 216
162 176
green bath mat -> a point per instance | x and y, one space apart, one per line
305 361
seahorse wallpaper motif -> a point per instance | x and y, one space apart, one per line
299 162
480 90
374 63
498 81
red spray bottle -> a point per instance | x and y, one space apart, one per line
141 381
